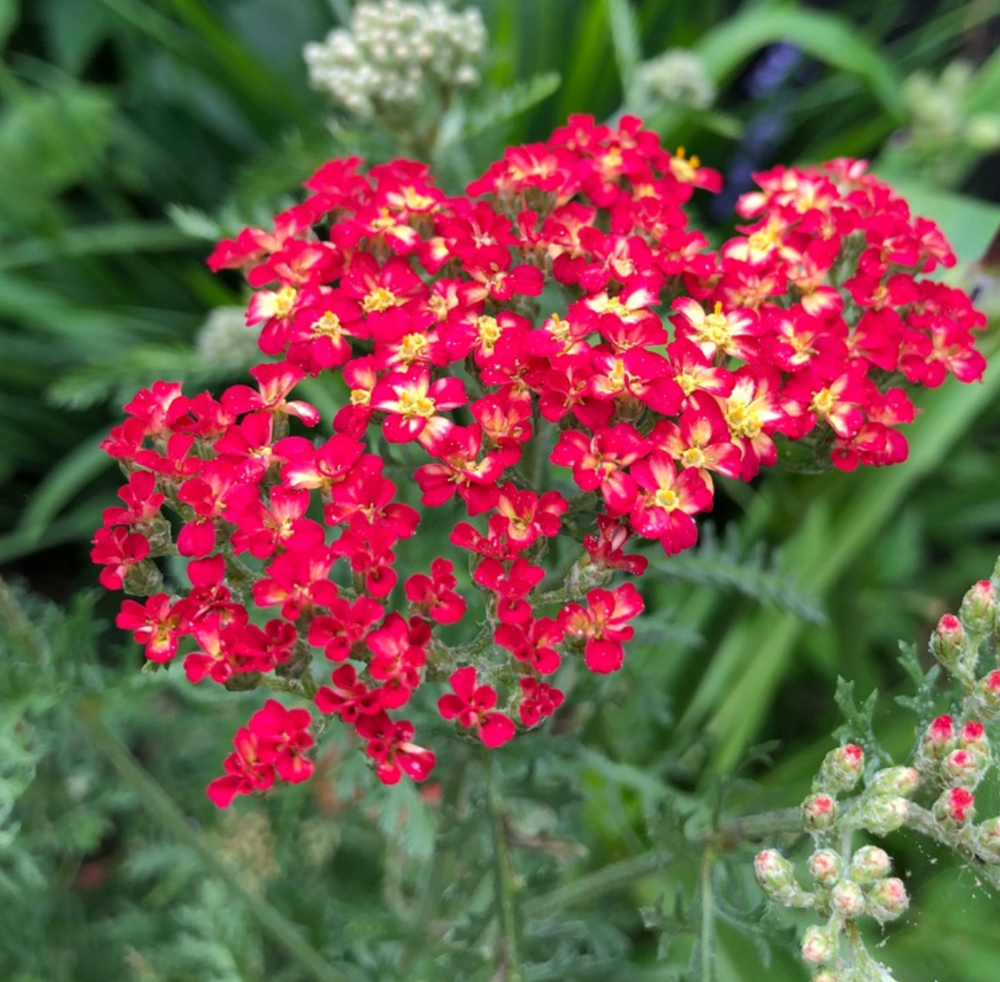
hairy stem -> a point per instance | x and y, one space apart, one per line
506 886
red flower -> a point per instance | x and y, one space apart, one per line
472 706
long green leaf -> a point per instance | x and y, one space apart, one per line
824 36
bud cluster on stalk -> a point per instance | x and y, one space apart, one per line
935 795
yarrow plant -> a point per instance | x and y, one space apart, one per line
562 312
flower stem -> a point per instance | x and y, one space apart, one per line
162 807
506 886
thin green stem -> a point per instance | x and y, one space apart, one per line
615 876
506 885
707 916
162 807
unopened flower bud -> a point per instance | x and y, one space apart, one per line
939 739
848 900
986 698
841 769
955 808
819 812
881 814
973 737
948 641
887 899
978 610
819 944
827 975
987 839
964 767
870 863
776 878
825 866
895 781
143 579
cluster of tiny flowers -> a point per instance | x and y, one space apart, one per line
935 796
677 78
428 308
395 55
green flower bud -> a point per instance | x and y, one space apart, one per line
986 837
986 697
964 767
881 814
978 610
870 863
955 808
847 899
819 944
895 781
841 769
887 899
826 867
948 641
819 812
777 879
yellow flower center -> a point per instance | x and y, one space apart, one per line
488 329
379 299
693 457
360 397
412 347
822 402
743 420
667 499
284 301
328 325
714 329
412 404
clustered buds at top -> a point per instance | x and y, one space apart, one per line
560 312
395 56
677 77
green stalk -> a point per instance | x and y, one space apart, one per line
163 809
506 885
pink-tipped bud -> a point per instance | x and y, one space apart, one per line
826 867
987 839
870 863
955 808
887 899
973 737
819 945
948 641
841 768
848 900
964 767
987 695
901 781
828 975
939 739
978 610
777 879
881 814
819 812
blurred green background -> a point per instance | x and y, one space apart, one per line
133 134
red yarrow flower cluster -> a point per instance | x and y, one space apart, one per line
665 367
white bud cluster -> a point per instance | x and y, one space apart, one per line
223 341
677 77
939 119
395 55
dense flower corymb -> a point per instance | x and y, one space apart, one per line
606 416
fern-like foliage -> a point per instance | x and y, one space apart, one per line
723 563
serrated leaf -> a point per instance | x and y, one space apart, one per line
506 105
721 564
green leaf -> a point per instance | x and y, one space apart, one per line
625 36
824 36
500 108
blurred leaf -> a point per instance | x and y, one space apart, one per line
825 36
625 36
498 108
9 14
49 141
